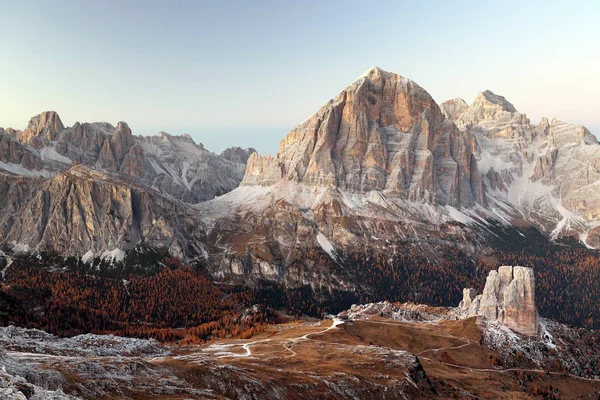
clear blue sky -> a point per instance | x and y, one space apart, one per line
244 73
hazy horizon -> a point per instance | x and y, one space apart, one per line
244 74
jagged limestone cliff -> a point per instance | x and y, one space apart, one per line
508 297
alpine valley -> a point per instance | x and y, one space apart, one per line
382 198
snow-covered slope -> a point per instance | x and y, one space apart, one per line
549 171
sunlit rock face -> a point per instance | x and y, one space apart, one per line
383 132
508 297
43 127
82 210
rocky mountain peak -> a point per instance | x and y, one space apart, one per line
123 128
43 127
489 99
46 120
120 142
488 108
237 154
373 72
508 297
383 132
189 139
454 108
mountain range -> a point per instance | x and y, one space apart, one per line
378 168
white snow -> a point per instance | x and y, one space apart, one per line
545 333
87 257
157 168
9 261
568 221
326 245
488 161
19 247
18 169
184 170
117 255
460 216
50 154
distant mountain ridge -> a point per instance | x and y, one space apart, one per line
173 165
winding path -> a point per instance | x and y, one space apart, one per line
247 346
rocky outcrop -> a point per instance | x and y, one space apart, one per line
262 170
508 297
237 154
468 297
453 108
43 127
121 141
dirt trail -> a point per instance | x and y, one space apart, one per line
286 343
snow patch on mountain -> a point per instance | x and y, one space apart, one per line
18 169
459 216
115 255
49 153
326 245
568 223
87 257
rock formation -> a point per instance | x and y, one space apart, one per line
383 132
383 161
547 171
508 297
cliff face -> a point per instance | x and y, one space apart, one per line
84 211
508 297
384 132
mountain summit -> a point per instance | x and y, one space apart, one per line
383 132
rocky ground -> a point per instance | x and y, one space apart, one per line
380 350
